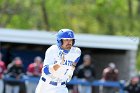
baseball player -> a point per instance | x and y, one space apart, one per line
59 64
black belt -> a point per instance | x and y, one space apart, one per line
52 82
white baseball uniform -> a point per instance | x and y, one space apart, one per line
56 83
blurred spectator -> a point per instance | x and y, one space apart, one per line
109 74
2 70
15 71
133 86
86 72
34 70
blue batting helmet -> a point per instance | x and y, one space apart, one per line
65 34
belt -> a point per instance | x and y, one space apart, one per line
53 82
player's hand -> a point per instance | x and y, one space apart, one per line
56 66
69 74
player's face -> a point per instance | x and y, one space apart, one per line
67 44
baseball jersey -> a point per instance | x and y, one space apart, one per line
54 55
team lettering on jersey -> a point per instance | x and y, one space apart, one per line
67 62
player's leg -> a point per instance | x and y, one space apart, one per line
39 87
42 87
57 89
62 89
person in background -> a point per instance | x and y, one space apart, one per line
2 71
133 86
110 73
86 72
15 71
34 70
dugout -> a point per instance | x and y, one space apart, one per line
104 49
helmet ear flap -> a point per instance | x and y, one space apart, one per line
61 41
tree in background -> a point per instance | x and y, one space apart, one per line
112 17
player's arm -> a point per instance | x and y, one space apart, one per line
49 67
76 61
70 71
52 69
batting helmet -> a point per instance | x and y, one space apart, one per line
65 34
